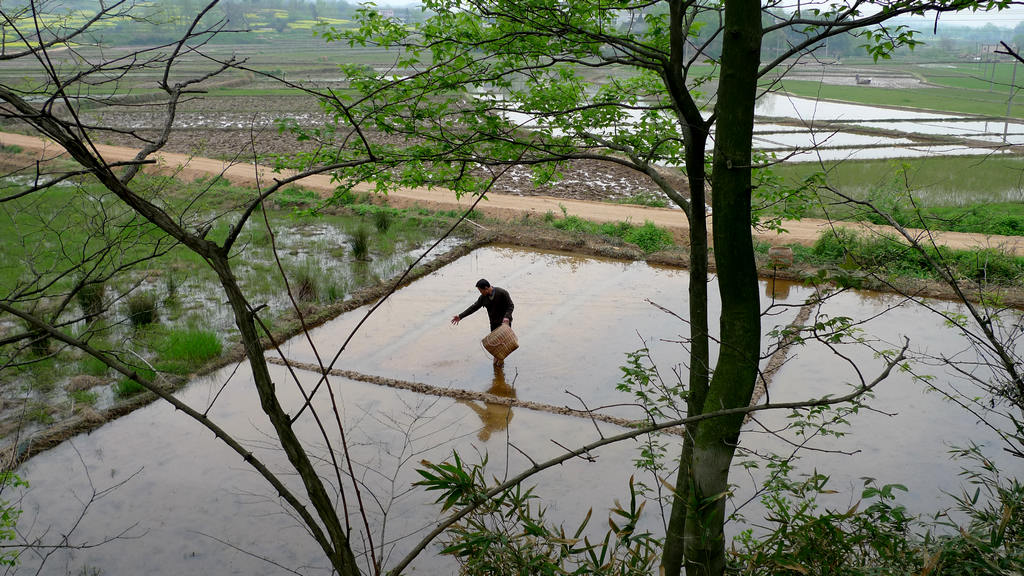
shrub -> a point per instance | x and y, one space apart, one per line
833 245
989 265
573 224
648 237
171 285
142 308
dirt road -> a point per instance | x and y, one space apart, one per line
506 206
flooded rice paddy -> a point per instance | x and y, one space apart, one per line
908 133
180 501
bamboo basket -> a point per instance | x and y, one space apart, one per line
501 342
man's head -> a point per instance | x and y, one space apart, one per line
483 286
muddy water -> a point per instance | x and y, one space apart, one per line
191 505
575 317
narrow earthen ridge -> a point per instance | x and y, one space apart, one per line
777 359
471 395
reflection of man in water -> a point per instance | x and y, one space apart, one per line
495 417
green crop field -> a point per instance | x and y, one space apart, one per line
943 99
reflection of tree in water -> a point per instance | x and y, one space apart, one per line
495 417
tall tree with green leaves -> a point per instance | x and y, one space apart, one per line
644 84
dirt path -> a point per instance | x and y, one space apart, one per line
504 206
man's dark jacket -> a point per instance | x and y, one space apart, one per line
499 305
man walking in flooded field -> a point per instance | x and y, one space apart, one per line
498 304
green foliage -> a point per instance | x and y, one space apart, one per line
888 256
648 237
508 534
10 513
803 539
661 401
992 542
143 308
182 350
774 200
641 380
92 366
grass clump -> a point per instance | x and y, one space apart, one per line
87 397
128 387
142 308
360 243
184 350
90 297
382 220
306 287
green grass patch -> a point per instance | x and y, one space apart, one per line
648 237
883 255
184 350
39 413
87 397
643 199
92 366
128 387
962 194
295 198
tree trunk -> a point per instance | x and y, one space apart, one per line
336 544
696 132
740 325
